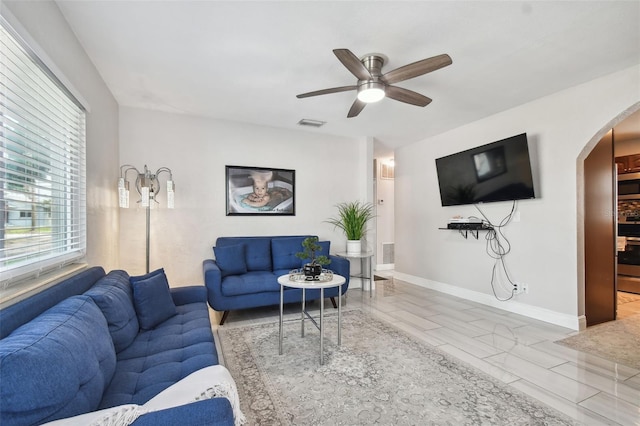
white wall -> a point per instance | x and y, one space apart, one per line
544 243
45 24
328 170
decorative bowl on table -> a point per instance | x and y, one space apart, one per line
300 275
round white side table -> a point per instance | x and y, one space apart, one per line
366 267
337 281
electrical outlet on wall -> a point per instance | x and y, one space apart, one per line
519 288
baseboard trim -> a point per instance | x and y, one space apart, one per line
582 323
385 267
542 314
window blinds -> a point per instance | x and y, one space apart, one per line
42 165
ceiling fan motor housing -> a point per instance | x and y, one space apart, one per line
373 89
374 64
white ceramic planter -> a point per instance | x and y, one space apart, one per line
354 246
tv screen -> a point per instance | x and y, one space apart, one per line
499 171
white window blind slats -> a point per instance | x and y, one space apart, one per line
42 166
29 201
52 128
39 129
38 99
26 251
71 235
24 169
37 198
31 216
34 137
28 77
49 230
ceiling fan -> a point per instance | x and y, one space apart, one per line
372 85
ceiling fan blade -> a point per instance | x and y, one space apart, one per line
407 96
352 63
327 91
417 68
356 108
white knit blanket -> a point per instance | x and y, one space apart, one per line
123 415
209 382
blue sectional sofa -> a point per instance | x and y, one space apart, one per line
96 340
245 271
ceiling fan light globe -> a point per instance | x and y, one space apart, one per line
371 95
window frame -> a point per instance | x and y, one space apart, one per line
76 217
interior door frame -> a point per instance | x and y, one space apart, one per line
582 323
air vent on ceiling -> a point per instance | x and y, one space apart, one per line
312 123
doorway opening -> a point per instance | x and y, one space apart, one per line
610 268
626 136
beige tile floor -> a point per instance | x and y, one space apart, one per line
514 349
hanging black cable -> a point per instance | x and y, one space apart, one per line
497 247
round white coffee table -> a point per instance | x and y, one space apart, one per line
337 281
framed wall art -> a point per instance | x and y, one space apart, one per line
260 191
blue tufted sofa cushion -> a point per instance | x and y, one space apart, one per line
20 313
250 283
231 259
283 251
257 251
56 365
114 297
160 357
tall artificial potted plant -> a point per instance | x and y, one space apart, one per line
312 269
352 218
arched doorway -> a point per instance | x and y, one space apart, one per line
597 214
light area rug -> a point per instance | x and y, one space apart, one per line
380 375
617 341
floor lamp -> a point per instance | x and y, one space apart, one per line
148 187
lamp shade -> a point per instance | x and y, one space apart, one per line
147 184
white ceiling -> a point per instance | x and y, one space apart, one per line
246 61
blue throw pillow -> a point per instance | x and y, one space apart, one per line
152 299
114 296
146 276
231 259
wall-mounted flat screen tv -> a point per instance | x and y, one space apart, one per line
499 171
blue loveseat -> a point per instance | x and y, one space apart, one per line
245 272
97 340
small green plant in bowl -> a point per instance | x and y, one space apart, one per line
313 268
